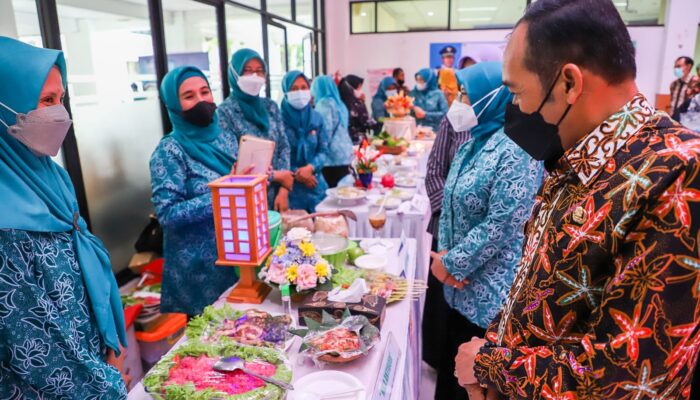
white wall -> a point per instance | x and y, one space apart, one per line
657 47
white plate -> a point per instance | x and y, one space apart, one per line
372 262
402 194
346 200
328 382
368 245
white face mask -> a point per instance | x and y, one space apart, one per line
462 116
249 84
421 86
42 130
299 98
391 93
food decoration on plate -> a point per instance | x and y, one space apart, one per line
345 276
297 263
148 295
393 288
337 342
350 193
399 105
187 373
251 327
388 144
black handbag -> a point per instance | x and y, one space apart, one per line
151 238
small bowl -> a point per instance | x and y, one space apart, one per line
371 262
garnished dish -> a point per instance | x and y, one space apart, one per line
337 342
252 327
188 373
391 287
350 193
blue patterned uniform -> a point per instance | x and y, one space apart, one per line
234 124
182 200
434 104
50 346
340 145
488 197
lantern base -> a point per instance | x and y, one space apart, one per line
253 294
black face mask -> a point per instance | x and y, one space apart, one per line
202 114
533 134
400 82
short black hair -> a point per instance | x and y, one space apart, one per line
396 71
686 60
588 33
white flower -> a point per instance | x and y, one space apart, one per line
298 234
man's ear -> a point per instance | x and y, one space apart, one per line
573 82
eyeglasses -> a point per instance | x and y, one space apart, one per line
250 71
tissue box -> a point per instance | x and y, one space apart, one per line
372 306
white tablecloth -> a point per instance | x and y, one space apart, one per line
400 127
406 331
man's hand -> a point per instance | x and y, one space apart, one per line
440 272
464 362
282 200
284 178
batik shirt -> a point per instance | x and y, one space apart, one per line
489 194
434 104
339 151
605 303
182 201
232 122
50 345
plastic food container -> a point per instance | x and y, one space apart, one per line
155 344
331 247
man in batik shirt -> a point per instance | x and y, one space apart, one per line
605 303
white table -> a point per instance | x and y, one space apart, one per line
402 319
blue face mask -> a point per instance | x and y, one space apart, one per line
678 72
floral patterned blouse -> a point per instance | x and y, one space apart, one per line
434 104
489 193
182 201
50 346
606 301
233 123
340 145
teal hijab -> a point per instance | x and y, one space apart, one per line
323 88
253 106
383 87
429 77
38 195
479 80
198 142
300 121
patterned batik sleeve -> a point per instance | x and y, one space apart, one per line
436 105
169 182
640 344
510 202
438 166
43 352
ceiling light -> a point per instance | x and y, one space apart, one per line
430 13
465 9
363 14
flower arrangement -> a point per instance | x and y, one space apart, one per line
366 158
399 105
296 262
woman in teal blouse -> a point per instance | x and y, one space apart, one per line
61 318
335 120
489 193
244 112
308 142
195 153
387 88
429 102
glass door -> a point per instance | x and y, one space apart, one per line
278 63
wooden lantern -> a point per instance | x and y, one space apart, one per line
242 231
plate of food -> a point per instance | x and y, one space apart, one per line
337 342
324 384
347 195
402 194
391 203
188 372
391 287
250 327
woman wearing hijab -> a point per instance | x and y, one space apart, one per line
489 193
61 318
387 88
244 112
429 102
335 120
308 141
195 153
359 122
